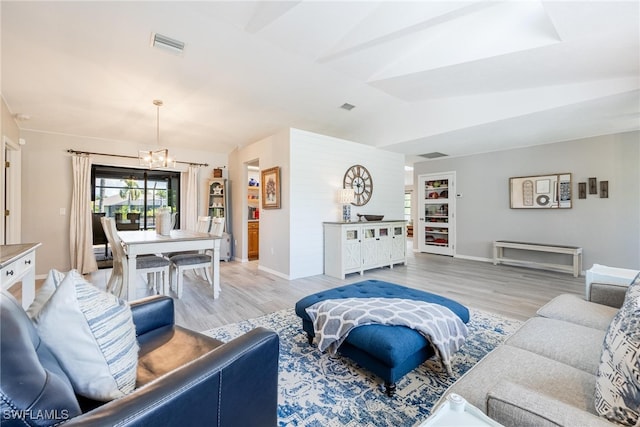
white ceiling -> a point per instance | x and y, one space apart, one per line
454 77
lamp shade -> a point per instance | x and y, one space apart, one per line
346 196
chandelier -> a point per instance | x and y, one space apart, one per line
156 158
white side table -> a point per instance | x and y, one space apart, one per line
456 411
608 275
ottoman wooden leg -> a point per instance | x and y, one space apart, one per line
310 338
390 388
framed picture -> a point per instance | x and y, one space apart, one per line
582 190
540 191
604 190
271 188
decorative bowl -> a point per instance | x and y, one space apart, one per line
373 217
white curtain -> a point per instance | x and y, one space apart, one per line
80 233
190 193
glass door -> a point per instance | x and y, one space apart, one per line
437 213
131 196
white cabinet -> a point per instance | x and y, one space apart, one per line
398 244
356 247
218 198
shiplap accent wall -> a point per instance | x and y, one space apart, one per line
318 164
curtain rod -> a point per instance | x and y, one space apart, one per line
72 151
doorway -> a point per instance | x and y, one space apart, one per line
253 210
132 196
12 185
436 213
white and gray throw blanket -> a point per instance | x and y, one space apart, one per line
333 319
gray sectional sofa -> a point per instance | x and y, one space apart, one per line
545 374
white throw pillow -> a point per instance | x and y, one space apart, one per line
92 335
51 283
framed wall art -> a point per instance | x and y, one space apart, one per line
271 188
540 191
582 190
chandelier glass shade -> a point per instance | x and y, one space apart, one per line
156 158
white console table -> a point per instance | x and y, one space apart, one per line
574 251
18 263
353 247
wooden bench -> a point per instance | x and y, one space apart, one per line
576 252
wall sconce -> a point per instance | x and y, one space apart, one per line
346 198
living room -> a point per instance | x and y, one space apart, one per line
579 116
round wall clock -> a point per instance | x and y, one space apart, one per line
359 178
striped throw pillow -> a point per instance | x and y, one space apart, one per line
92 335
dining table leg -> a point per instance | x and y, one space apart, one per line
215 268
130 278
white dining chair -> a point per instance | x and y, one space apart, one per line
156 267
195 261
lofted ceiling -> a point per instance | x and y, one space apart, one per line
456 77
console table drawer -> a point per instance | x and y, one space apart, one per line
14 271
18 263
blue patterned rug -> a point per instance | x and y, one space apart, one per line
318 390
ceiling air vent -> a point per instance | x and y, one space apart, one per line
433 155
347 106
167 43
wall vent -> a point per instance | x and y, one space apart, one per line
433 155
167 43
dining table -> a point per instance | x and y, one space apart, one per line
144 242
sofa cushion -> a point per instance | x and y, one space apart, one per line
535 372
569 343
31 380
514 405
617 394
92 335
574 309
51 283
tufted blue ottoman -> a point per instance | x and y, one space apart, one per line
388 351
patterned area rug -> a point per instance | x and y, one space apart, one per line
318 390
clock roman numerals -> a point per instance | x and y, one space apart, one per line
359 179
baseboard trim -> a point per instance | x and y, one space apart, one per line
473 258
274 272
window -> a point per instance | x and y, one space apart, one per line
133 195
407 206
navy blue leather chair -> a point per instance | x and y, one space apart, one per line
180 376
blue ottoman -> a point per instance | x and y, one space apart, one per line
388 351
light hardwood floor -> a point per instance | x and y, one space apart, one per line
248 292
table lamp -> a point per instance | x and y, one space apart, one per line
346 198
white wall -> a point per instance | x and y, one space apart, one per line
608 230
274 223
312 169
47 187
